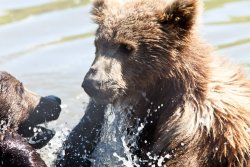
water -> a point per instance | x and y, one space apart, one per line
111 139
48 45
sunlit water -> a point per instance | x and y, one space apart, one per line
50 48
112 140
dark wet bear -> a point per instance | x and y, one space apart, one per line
20 112
180 105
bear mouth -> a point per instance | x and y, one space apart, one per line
101 99
109 97
105 93
47 110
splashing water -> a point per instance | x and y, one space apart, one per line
113 150
116 145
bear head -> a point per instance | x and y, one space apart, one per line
22 110
138 43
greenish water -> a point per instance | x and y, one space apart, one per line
211 4
14 15
48 44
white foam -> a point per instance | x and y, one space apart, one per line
113 150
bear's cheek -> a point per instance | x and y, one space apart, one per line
138 76
23 106
23 111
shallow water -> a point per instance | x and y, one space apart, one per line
48 44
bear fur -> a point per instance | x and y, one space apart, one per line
20 112
191 108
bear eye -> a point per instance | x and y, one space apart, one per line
126 48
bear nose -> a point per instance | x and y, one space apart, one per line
90 86
54 99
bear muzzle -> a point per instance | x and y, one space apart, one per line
98 92
48 109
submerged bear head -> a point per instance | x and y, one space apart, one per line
138 43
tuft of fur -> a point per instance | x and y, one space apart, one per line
204 114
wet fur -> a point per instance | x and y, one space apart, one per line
195 106
16 105
206 101
20 112
16 152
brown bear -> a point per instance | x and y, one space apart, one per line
20 112
170 101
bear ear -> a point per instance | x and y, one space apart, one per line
97 11
180 13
